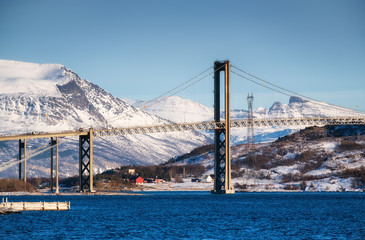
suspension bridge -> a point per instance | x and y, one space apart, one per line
221 127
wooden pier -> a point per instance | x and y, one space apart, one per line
35 206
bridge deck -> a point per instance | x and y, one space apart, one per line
269 122
44 135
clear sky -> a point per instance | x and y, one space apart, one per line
141 49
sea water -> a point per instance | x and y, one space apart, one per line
193 215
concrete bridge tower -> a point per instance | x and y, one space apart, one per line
222 144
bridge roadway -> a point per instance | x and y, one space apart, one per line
174 127
234 123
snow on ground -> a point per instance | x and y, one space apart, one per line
319 172
282 170
332 184
187 185
346 160
290 155
327 146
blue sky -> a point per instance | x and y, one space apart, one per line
141 49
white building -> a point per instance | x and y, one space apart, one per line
207 179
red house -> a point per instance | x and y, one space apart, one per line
136 180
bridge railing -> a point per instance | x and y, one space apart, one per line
318 121
196 126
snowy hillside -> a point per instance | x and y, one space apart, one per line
50 97
330 158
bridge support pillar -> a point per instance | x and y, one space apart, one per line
86 162
23 148
222 142
57 187
54 142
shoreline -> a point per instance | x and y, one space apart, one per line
142 193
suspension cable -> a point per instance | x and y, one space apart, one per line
114 118
11 163
179 91
16 158
284 90
170 92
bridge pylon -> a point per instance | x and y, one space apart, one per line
54 142
222 142
86 161
23 152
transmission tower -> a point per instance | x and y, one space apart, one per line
250 132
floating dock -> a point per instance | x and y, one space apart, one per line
34 206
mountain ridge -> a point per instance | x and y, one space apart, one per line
77 103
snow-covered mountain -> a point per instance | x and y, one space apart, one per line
296 108
50 97
299 108
176 109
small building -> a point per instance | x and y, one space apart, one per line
132 171
158 180
207 179
136 180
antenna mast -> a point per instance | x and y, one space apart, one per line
250 131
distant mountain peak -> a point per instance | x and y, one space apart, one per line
294 99
277 106
178 109
30 79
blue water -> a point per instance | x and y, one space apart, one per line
193 215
